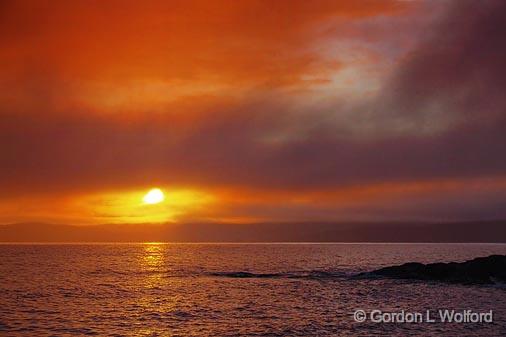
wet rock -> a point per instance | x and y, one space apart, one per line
481 270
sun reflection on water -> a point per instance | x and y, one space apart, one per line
153 264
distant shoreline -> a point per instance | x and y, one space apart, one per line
493 231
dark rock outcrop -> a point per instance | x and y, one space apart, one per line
481 270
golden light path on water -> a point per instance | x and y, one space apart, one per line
152 263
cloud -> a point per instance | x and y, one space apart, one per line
240 44
440 114
456 75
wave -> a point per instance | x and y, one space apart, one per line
304 274
312 274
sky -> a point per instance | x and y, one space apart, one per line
252 111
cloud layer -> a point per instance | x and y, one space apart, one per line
253 104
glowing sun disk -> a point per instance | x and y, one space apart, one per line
154 196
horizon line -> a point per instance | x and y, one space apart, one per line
240 243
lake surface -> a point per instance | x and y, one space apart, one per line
232 290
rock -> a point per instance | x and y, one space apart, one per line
481 270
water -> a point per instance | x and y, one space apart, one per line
195 290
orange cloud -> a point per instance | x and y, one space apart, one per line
273 109
124 55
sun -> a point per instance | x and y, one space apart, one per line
154 196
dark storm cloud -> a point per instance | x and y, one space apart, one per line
459 72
